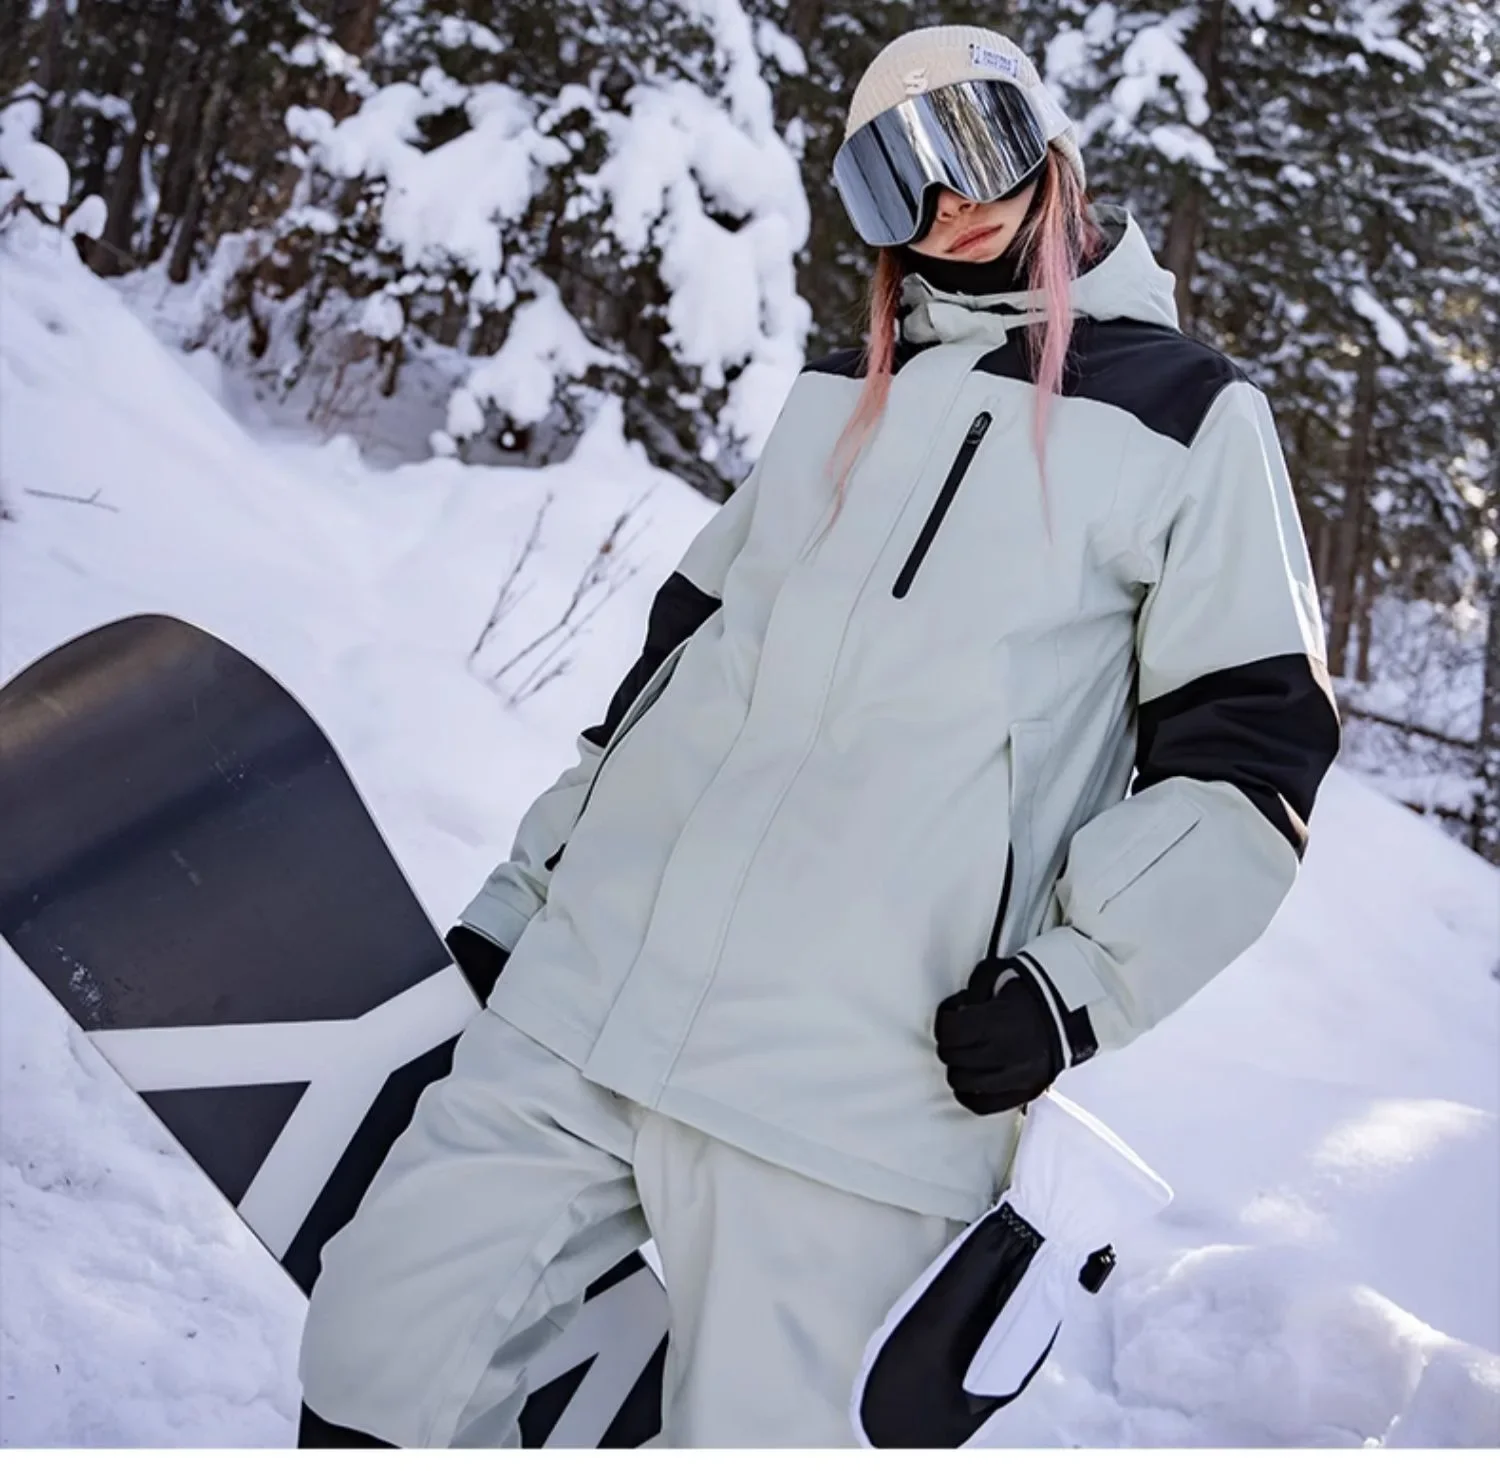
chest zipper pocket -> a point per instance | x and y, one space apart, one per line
956 472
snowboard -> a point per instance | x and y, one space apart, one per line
188 868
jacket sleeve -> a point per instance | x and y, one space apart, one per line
517 889
1236 727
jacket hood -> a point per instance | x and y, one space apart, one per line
1127 282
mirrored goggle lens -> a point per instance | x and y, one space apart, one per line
979 139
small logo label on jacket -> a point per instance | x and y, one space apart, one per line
995 61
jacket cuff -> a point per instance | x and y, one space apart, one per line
499 922
1061 958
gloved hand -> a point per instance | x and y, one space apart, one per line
479 958
1007 1036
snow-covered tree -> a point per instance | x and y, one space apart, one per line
591 199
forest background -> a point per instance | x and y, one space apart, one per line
456 228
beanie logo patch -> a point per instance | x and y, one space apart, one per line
915 82
996 61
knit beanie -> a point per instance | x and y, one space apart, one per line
937 56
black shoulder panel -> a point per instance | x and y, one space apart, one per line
847 362
679 609
1160 376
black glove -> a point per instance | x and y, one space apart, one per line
480 959
1004 1039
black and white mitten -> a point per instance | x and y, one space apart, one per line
972 1332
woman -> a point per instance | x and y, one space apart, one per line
849 873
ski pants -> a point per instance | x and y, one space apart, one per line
517 1184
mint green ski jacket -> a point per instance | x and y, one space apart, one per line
1084 722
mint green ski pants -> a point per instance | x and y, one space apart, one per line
517 1184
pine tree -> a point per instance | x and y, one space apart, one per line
597 160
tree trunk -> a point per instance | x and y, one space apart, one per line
184 148
114 79
354 24
1487 824
112 251
1180 248
1348 545
1365 620
1321 548
214 118
354 30
1184 221
51 65
13 46
62 83
802 20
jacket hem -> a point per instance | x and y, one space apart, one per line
781 1147
828 1166
543 1026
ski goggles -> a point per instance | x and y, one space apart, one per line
982 139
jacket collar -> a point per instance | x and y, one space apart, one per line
1126 282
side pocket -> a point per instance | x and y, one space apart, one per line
1155 835
1030 745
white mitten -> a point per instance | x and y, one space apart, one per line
1077 1186
969 1335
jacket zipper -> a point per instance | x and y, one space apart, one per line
956 472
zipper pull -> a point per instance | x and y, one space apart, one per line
978 427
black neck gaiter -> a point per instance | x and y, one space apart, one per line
970 278
976 278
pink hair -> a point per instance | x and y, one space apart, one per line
1058 237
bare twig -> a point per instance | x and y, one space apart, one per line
546 678
73 500
1410 728
507 597
543 675
546 657
603 572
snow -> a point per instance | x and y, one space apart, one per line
1394 338
443 204
1154 55
691 173
383 317
676 160
775 45
40 173
1326 1111
465 415
111 109
455 33
1378 29
544 343
89 218
1179 144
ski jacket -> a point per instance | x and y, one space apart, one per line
849 765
